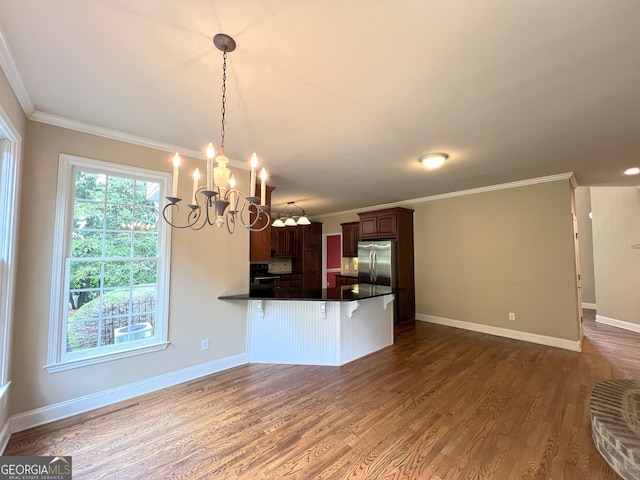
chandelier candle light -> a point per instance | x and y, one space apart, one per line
220 202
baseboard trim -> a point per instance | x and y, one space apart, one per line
68 408
634 327
573 345
590 306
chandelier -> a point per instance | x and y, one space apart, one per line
220 202
290 216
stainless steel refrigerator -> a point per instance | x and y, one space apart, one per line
376 262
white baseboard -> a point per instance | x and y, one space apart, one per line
573 345
83 404
634 327
590 306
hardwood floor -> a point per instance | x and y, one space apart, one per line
441 403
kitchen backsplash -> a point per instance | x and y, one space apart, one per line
349 266
280 265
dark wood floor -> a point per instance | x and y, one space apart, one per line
441 403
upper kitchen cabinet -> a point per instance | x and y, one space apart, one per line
260 242
388 223
284 241
350 239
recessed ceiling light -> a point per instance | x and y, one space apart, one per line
433 160
632 171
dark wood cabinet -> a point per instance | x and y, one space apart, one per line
284 241
311 236
382 224
308 262
293 280
312 273
342 280
350 239
260 242
395 223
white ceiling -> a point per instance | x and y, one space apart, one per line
340 97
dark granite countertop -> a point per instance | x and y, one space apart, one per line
346 293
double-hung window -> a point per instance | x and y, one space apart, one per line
111 263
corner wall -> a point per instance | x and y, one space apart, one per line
479 257
616 252
204 265
585 238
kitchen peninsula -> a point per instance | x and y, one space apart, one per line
331 326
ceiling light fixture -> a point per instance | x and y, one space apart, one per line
220 202
433 160
632 171
288 217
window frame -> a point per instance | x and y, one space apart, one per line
57 358
10 175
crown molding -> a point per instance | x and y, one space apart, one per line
75 125
9 68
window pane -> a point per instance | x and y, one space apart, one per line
120 190
119 217
117 274
145 244
116 303
146 218
88 215
86 243
145 272
84 275
82 335
90 186
117 244
147 193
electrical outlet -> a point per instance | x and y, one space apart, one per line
205 344
512 316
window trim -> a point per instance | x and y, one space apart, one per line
62 246
10 176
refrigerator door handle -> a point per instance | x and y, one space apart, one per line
374 272
371 265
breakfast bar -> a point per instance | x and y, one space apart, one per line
331 326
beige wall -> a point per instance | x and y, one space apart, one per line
585 239
616 227
204 265
479 257
331 223
18 120
11 106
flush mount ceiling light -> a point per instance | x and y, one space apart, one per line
290 216
632 171
220 202
433 160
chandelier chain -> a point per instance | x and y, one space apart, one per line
224 98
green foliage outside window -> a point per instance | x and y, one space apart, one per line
114 217
113 266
